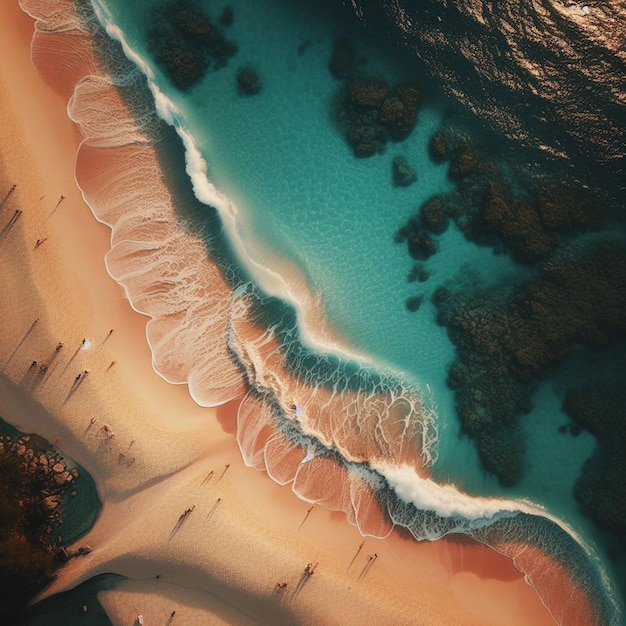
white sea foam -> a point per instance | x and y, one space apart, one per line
445 500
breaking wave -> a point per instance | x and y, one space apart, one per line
343 432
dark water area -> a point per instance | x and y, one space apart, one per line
67 608
544 78
80 511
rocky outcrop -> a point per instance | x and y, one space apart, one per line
185 42
33 482
368 111
248 81
401 172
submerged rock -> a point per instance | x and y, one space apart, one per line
464 164
419 273
434 216
367 94
227 16
366 141
421 246
439 149
368 111
414 302
341 63
398 111
248 81
185 43
402 174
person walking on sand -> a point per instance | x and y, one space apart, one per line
225 470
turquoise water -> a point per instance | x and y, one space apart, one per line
81 510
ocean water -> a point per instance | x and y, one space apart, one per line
346 381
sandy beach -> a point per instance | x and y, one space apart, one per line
221 562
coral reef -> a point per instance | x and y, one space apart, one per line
505 344
368 111
186 43
600 489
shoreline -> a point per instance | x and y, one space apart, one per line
77 298
315 330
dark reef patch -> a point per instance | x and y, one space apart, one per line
413 303
418 272
227 16
601 489
368 111
528 226
402 173
186 43
563 310
248 81
507 342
